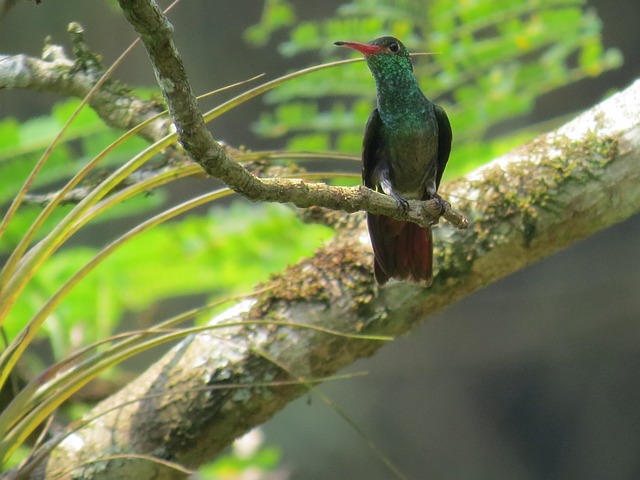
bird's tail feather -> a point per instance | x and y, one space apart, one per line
402 250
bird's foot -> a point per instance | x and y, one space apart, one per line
403 203
444 205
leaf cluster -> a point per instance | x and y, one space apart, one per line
491 61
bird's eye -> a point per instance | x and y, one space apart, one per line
394 47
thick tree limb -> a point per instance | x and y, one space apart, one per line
524 206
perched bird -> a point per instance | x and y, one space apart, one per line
406 146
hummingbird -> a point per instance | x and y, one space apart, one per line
407 141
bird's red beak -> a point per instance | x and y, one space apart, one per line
364 48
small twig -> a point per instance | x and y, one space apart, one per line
80 193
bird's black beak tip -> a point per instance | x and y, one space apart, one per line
339 43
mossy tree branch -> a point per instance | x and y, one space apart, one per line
540 198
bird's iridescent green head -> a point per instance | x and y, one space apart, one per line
383 55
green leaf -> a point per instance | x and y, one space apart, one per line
276 15
9 136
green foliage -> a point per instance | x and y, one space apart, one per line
276 14
249 457
226 251
21 145
79 294
492 60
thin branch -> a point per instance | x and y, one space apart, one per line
79 193
57 73
156 34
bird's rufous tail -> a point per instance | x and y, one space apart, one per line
402 250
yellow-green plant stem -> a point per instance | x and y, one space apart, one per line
69 225
265 87
22 267
42 452
10 356
27 398
71 381
8 270
17 201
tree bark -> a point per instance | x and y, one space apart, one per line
213 386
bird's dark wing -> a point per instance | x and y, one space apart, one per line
371 146
444 141
401 250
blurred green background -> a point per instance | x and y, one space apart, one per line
535 377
